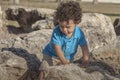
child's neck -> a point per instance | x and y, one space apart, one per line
69 35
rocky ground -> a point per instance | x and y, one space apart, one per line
21 52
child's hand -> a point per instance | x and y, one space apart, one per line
83 65
85 61
65 62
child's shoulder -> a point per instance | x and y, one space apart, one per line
78 29
56 29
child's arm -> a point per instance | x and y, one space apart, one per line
85 52
60 54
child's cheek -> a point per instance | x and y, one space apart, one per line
70 31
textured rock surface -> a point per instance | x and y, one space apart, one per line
98 29
11 66
43 24
1 17
44 12
20 56
74 72
110 55
104 62
26 17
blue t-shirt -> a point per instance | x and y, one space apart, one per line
68 45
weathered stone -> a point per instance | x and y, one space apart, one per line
24 18
27 16
22 55
74 72
29 48
98 29
105 63
1 23
93 24
12 66
43 24
43 12
109 55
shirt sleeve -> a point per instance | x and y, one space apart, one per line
82 40
55 39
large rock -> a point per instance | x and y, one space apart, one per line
26 17
98 29
20 58
12 67
110 56
104 62
44 12
75 72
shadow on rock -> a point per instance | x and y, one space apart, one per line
98 66
14 30
33 63
101 67
116 25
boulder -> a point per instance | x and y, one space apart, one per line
93 25
43 12
109 56
104 62
98 30
20 58
26 17
11 66
75 72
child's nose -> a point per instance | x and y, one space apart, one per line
65 30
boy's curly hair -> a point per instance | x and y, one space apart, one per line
68 10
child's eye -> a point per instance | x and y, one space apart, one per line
67 26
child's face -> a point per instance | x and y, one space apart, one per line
67 27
